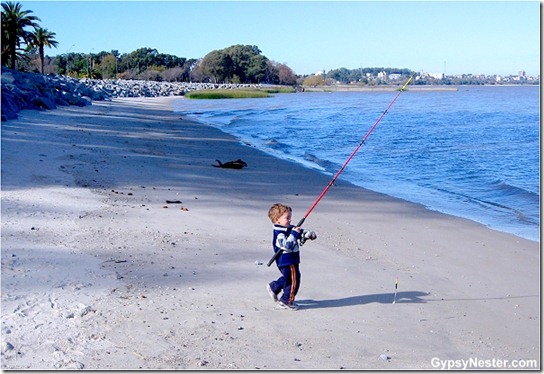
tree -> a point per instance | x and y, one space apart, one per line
108 66
236 64
173 74
257 70
188 67
244 69
14 24
40 39
314 80
282 74
196 74
76 64
217 65
341 75
136 62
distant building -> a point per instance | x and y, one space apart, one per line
433 75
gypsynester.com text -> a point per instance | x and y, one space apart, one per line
477 363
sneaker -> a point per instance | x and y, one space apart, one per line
286 306
273 296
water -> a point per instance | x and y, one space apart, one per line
472 153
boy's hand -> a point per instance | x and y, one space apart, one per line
309 235
297 229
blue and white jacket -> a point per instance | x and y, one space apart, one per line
285 239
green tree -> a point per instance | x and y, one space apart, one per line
217 65
257 70
15 21
237 64
108 66
241 56
341 75
76 64
40 39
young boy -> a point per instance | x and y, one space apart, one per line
287 238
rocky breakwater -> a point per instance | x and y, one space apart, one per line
40 92
36 91
139 88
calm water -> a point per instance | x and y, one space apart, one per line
472 153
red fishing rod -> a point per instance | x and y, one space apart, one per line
331 183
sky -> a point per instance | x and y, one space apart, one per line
451 37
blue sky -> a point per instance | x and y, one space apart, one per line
488 37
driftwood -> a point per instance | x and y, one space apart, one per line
237 164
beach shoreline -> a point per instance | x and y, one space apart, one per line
100 270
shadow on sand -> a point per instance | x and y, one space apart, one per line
383 298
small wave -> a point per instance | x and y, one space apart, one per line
508 189
495 205
312 158
275 144
326 165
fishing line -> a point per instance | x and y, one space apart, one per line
331 183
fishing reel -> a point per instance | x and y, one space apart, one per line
307 235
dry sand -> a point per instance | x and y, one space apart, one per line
100 272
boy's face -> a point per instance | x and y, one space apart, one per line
285 219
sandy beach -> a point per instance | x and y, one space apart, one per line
123 248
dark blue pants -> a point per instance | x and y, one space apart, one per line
289 283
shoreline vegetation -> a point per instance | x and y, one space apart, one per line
239 93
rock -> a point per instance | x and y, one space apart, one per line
7 77
22 90
7 346
85 310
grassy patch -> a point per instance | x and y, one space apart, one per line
280 89
239 93
227 94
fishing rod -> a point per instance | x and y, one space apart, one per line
331 183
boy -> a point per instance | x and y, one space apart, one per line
287 238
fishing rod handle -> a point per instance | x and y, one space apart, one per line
276 255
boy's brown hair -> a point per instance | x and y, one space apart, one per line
277 210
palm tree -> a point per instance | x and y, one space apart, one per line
14 22
41 38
